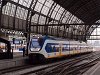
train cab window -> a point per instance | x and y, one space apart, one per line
34 45
40 41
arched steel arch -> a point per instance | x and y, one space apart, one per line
40 16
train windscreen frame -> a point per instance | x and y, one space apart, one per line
34 44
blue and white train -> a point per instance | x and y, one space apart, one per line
46 47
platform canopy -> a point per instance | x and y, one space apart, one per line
71 19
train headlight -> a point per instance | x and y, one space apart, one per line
35 49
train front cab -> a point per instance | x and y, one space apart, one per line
35 46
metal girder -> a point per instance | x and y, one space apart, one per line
95 27
39 18
15 16
68 24
94 39
3 3
28 17
49 14
90 30
86 35
12 2
86 10
73 28
57 26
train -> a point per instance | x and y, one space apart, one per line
17 45
45 47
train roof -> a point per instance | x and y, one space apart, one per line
74 42
58 39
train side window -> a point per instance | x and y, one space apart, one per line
48 48
54 48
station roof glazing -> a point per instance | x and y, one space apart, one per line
49 12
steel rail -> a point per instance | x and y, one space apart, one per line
68 64
75 69
44 66
56 66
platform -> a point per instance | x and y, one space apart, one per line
95 70
17 54
8 63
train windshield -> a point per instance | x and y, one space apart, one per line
34 45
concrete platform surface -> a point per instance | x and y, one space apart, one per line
17 54
8 63
95 70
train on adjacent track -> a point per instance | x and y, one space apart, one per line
45 47
17 45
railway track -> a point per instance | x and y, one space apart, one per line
47 69
14 69
74 70
62 68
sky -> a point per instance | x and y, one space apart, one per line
95 32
